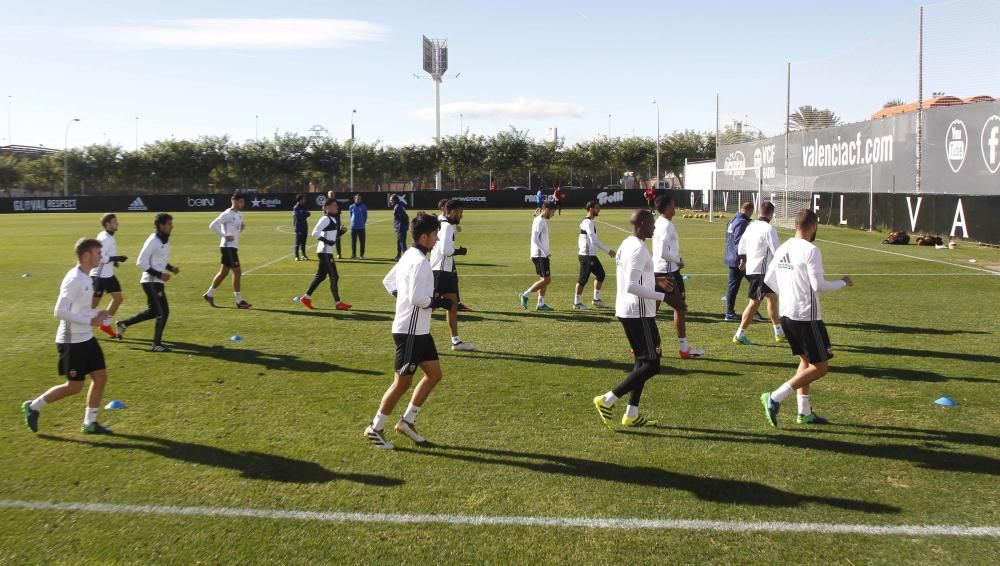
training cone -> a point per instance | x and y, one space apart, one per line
236 338
723 299
115 405
946 401
295 298
686 277
26 275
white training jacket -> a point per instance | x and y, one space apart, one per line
587 242
540 237
636 293
758 244
73 307
413 282
155 255
229 223
796 275
327 228
443 254
109 249
666 247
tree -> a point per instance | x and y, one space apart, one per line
893 102
10 172
809 118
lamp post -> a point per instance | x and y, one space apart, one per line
256 127
10 140
611 172
351 149
66 158
461 128
657 104
137 133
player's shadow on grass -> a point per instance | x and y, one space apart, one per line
715 490
623 366
699 317
881 373
923 353
268 360
250 465
920 434
558 315
358 315
923 457
893 329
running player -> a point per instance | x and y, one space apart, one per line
588 245
105 280
443 217
668 263
156 270
635 307
79 353
797 276
412 283
540 257
327 231
443 265
228 226
756 249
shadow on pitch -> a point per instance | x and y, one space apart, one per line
903 374
923 457
623 366
358 315
250 465
258 358
892 351
893 329
715 490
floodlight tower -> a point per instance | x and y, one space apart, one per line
436 65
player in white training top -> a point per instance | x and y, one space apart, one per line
79 353
540 253
228 226
443 266
635 307
667 264
412 283
105 280
797 275
588 245
756 252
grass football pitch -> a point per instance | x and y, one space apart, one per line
246 451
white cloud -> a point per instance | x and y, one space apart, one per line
520 107
251 33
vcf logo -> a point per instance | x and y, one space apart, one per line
991 143
956 143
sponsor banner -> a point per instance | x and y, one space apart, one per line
43 205
961 155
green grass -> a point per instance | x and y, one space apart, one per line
274 421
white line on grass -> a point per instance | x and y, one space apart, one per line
272 262
484 520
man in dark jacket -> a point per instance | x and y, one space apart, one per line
400 222
299 215
734 231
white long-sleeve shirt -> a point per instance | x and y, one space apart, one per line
155 255
540 237
796 274
327 228
587 242
412 280
636 293
758 244
443 254
73 307
109 249
229 223
666 246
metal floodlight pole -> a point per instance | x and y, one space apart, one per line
611 171
657 139
256 127
920 96
435 63
351 151
137 133
788 116
10 136
66 157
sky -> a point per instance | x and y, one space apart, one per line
144 71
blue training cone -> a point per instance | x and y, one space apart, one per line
115 405
26 275
236 338
685 277
946 401
723 299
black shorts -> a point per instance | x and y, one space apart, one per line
412 350
106 285
445 282
758 288
542 266
676 297
808 338
643 337
230 257
76 361
590 264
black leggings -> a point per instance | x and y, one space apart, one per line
300 243
636 380
355 236
326 268
156 307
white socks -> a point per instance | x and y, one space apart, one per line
455 340
778 331
210 292
576 300
379 421
239 297
804 407
411 413
740 332
610 398
684 344
597 295
89 416
541 300
527 292
37 404
631 411
781 393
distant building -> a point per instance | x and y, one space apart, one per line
25 151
